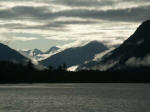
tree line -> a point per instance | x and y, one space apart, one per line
18 73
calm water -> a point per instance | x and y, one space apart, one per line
75 98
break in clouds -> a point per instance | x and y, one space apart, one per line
59 22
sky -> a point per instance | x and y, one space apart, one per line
29 24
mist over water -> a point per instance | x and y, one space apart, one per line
75 98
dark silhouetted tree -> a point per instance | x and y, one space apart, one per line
64 67
30 65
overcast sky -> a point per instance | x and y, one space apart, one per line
29 24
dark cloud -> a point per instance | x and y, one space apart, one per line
61 25
84 3
42 13
76 22
53 26
6 14
93 3
23 12
136 0
129 14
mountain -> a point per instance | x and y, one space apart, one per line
134 52
38 54
52 50
8 54
31 53
91 64
75 56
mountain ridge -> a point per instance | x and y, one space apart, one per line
38 54
75 56
9 54
137 46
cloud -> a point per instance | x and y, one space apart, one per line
110 21
24 38
76 43
136 62
9 38
23 12
129 14
41 13
81 3
100 3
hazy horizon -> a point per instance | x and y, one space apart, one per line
29 24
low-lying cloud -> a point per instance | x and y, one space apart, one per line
136 62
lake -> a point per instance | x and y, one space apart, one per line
75 97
